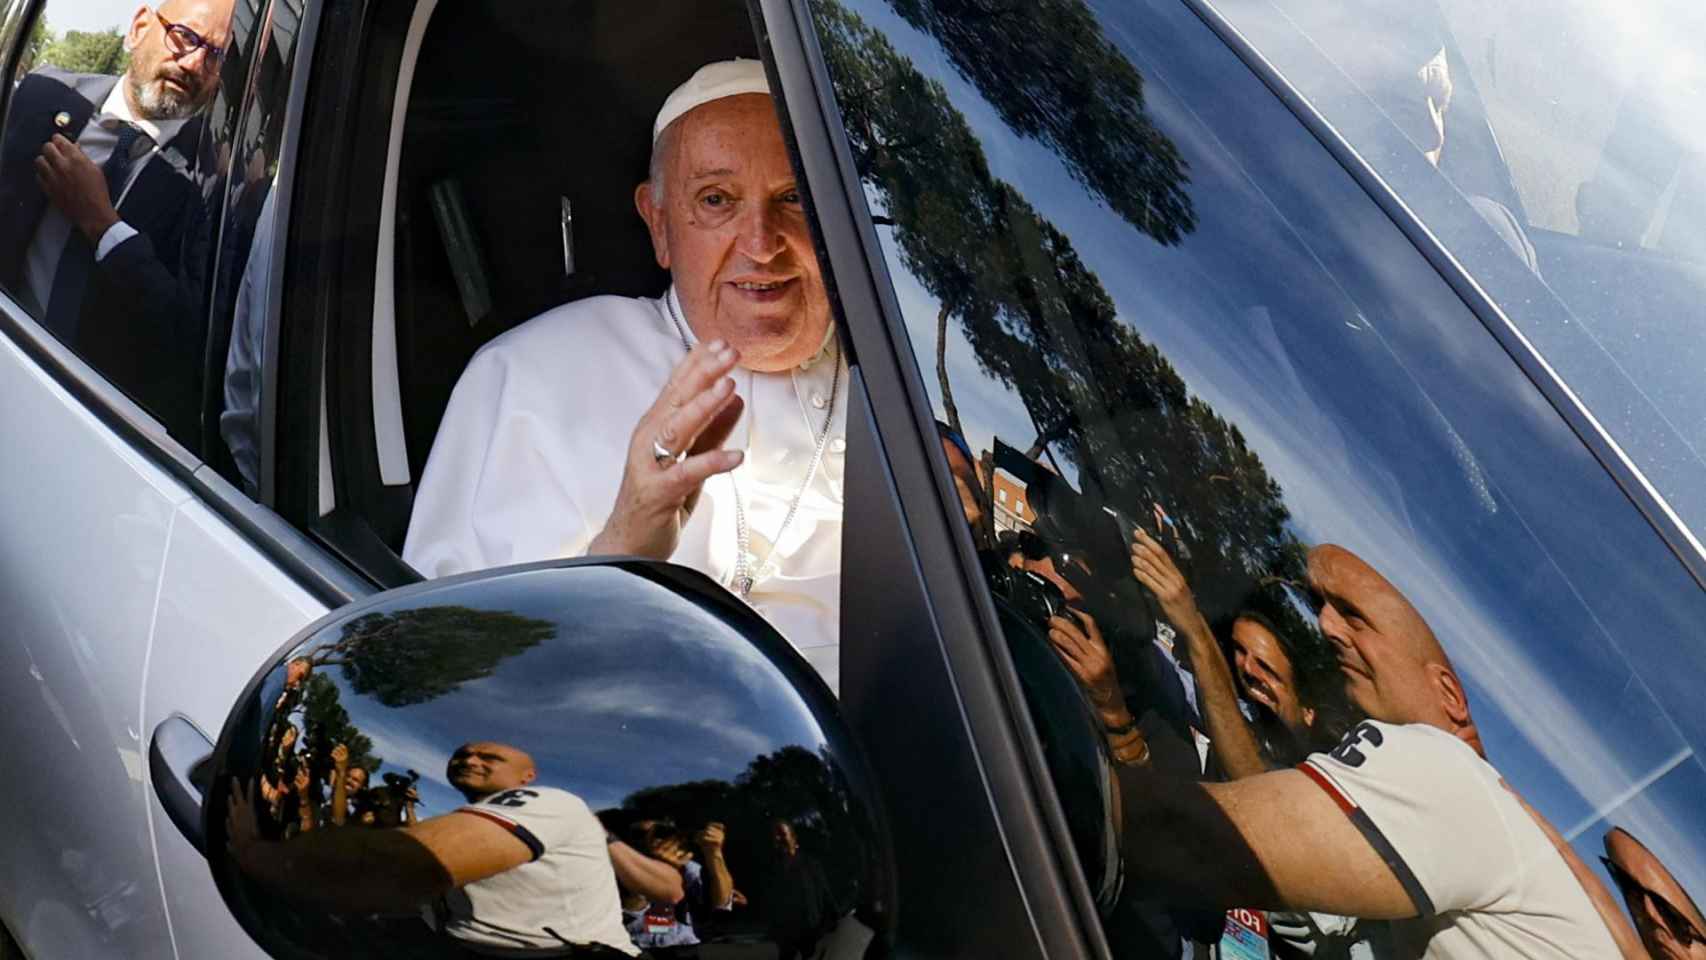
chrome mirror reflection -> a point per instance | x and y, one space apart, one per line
568 759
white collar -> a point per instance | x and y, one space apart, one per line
117 109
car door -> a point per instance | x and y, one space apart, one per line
225 604
398 334
144 584
94 485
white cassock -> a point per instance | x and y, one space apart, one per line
530 454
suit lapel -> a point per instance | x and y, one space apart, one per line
36 105
165 188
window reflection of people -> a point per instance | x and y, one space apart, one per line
102 221
520 866
1669 922
708 885
962 466
1403 821
1290 681
796 897
706 426
559 887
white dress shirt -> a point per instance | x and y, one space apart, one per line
98 139
529 456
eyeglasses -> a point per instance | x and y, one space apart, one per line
183 41
1681 928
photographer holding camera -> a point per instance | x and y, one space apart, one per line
1068 626
663 926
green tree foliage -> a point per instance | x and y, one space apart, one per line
326 724
1052 77
412 656
40 36
792 784
1037 318
88 52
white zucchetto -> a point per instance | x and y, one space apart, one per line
713 81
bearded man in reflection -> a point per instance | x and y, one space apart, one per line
704 427
1404 821
520 867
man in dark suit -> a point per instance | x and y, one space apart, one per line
104 217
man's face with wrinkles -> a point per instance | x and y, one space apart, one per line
1386 651
731 229
1265 676
166 83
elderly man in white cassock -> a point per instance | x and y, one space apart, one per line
705 427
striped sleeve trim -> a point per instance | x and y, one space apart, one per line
520 832
1382 847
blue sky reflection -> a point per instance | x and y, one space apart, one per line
639 688
1365 392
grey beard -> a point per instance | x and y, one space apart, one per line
157 102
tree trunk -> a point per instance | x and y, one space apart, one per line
985 536
948 409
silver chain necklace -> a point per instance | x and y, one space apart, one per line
745 575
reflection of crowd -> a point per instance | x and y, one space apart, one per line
1313 755
520 866
706 883
308 781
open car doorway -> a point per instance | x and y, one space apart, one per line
490 179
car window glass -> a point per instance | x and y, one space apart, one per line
1563 167
239 402
106 182
11 22
1252 491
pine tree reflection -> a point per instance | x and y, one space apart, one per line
1037 318
1052 76
414 655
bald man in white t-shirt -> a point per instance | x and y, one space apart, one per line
520 866
1403 822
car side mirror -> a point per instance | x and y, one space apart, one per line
576 758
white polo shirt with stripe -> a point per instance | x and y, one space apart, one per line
565 894
1485 881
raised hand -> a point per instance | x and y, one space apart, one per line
675 448
671 851
1079 643
710 839
1154 568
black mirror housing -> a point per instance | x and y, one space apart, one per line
574 758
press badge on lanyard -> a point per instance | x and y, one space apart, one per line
661 919
1246 936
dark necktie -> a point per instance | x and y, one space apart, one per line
77 260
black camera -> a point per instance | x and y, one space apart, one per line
400 785
1036 597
